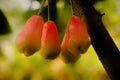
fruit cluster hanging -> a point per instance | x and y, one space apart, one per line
41 36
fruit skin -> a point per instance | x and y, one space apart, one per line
28 40
66 55
75 41
79 39
50 43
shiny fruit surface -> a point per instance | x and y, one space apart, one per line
28 40
76 40
50 43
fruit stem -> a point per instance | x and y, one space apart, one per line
48 10
71 6
41 7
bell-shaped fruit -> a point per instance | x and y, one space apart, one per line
66 55
79 39
29 39
50 43
75 41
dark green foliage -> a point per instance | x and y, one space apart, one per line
4 25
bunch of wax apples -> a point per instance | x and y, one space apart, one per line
41 36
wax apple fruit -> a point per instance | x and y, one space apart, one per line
29 39
67 56
77 40
50 43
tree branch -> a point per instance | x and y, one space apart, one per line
103 44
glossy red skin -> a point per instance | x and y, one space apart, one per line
28 40
50 43
75 41
79 39
66 55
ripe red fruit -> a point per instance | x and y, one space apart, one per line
50 43
29 39
67 56
77 40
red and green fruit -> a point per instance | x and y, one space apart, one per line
50 43
75 41
29 39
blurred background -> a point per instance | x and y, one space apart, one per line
16 66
